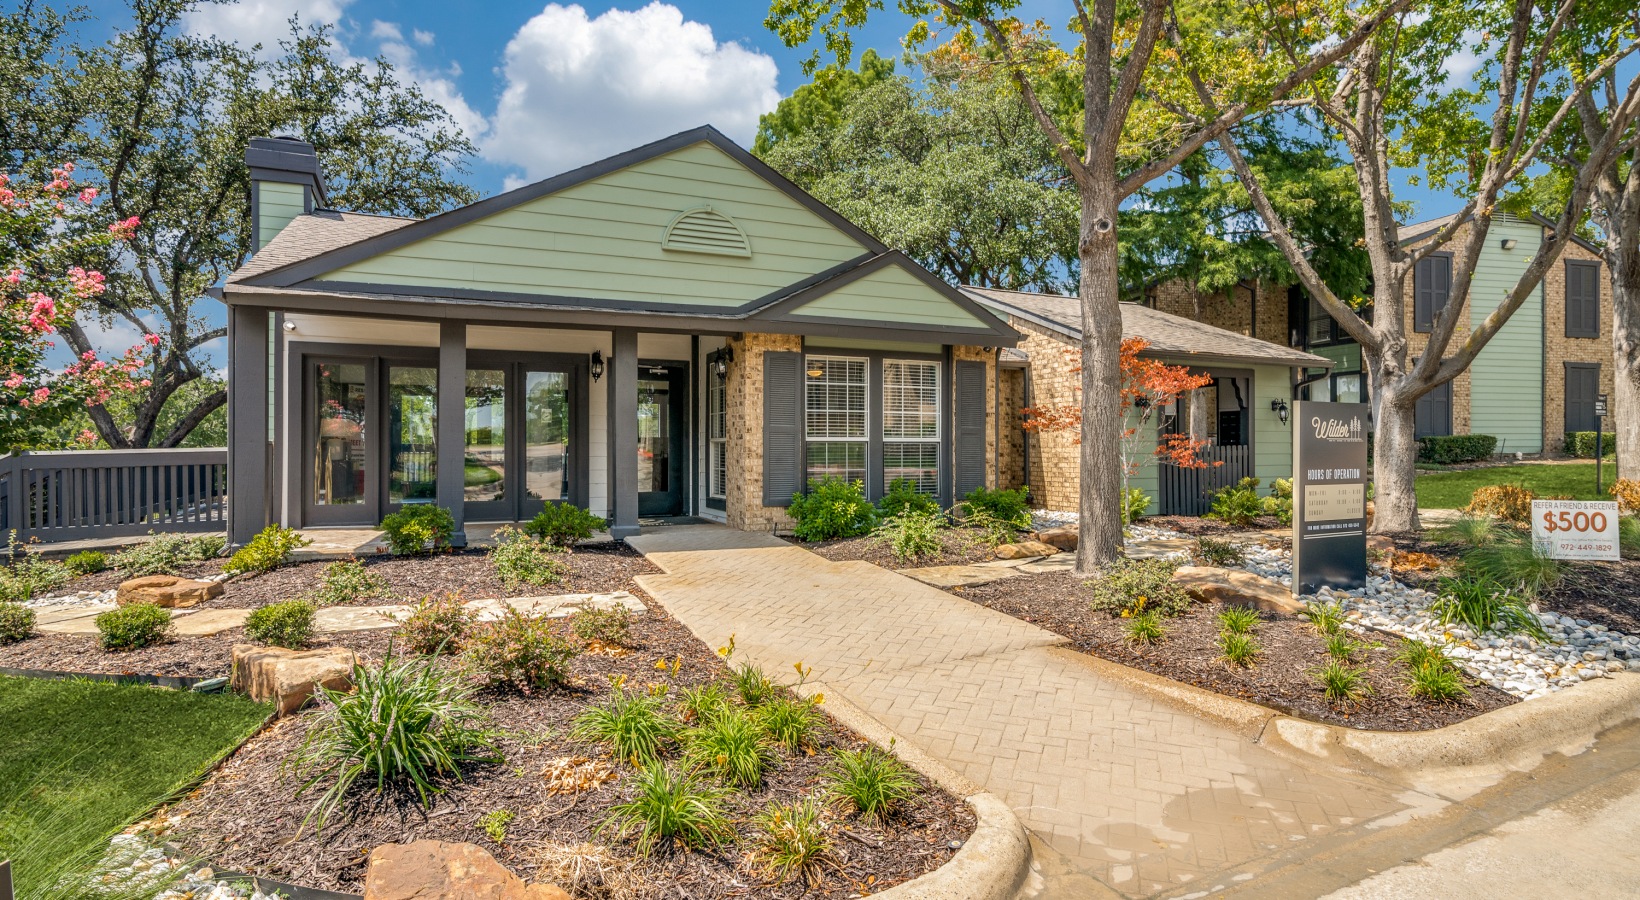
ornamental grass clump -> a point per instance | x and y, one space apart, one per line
790 722
1145 628
1133 586
133 627
1342 647
1514 561
789 839
1484 606
869 782
1472 530
1238 649
671 808
730 746
348 581
1238 620
287 624
409 723
754 685
1326 618
634 726
697 704
1431 674
1343 683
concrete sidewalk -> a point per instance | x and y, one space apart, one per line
1142 797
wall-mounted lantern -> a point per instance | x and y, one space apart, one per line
597 365
1279 407
720 366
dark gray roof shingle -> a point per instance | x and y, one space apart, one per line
309 235
1166 332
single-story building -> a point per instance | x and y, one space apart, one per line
1244 413
673 331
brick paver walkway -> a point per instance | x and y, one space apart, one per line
1142 796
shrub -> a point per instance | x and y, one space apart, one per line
790 840
407 722
30 576
833 508
1471 530
1446 449
1581 444
790 722
1011 507
16 622
1514 561
287 624
562 524
903 495
632 725
1280 502
133 627
347 581
1343 683
1237 649
1628 537
1326 618
1238 620
1219 553
418 529
1483 605
610 626
1510 502
1237 504
699 703
436 623
1135 503
730 746
911 534
1145 628
271 547
520 652
494 824
520 559
1626 491
671 807
86 562
1132 586
166 554
754 685
871 782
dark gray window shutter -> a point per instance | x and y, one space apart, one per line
782 427
1582 299
1431 286
1432 415
969 430
1582 389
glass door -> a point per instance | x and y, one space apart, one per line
547 433
662 401
412 435
337 473
486 466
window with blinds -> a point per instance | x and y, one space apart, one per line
834 413
911 423
717 437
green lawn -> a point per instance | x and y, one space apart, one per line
80 760
1451 490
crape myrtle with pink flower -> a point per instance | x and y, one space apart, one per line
50 241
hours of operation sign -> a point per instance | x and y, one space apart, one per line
1334 502
1575 529
1329 496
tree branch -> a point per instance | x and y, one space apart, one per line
186 425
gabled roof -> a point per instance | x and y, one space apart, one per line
315 233
1168 334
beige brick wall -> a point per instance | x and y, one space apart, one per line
744 501
1055 475
1011 461
1232 310
1559 349
1416 343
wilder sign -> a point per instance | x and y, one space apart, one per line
1329 496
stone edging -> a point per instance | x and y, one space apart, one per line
995 860
1512 738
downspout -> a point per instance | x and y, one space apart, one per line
1308 380
996 410
1025 454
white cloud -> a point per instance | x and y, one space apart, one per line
578 89
424 38
386 31
265 22
439 86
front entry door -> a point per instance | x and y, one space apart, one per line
663 398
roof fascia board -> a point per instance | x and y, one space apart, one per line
1549 225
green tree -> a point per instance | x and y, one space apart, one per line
820 103
1137 66
953 173
1390 107
160 119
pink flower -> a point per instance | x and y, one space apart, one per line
15 276
88 195
88 437
15 381
151 340
125 229
89 355
41 394
86 284
145 382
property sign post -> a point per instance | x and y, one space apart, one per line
1576 529
1329 496
1599 441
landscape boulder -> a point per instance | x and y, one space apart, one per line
1234 587
290 677
446 870
168 591
1064 537
1025 550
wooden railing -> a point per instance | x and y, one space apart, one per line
1189 492
80 495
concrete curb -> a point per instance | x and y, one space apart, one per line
995 860
1443 760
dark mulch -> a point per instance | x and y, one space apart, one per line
593 568
198 657
247 816
1282 679
1196 525
958 546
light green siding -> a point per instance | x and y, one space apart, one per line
1506 380
602 240
869 344
890 294
277 204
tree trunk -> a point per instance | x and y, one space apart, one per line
1196 414
1395 458
1100 527
1625 282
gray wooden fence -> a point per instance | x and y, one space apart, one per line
80 495
1189 492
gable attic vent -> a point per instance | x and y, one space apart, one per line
705 230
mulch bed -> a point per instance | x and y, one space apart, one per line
958 546
1195 525
1282 679
247 817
